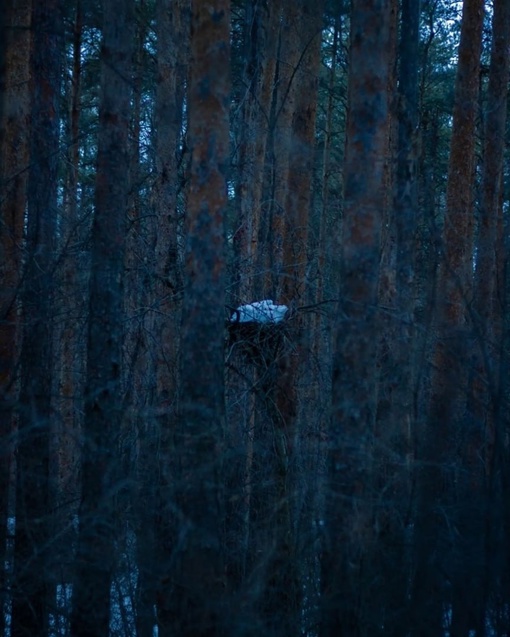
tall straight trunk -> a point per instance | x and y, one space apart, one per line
457 267
387 277
280 124
498 509
492 183
484 395
67 336
172 34
406 194
139 448
33 577
396 415
262 25
268 102
272 540
157 528
134 288
327 163
199 574
451 362
348 517
317 401
283 596
261 28
14 159
103 408
3 55
499 476
301 154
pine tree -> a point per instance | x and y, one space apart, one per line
103 407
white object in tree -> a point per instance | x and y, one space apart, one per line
259 312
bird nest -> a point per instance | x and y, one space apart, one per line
258 330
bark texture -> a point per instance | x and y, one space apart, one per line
348 509
199 584
14 161
438 478
103 407
33 554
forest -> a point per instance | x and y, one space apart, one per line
254 318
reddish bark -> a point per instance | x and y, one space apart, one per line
348 523
262 30
156 478
438 481
199 593
494 144
301 154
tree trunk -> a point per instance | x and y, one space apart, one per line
396 425
457 269
301 154
484 391
14 160
268 96
348 532
283 597
199 586
272 539
70 310
157 526
103 407
34 559
140 446
494 144
262 26
445 473
262 21
283 108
